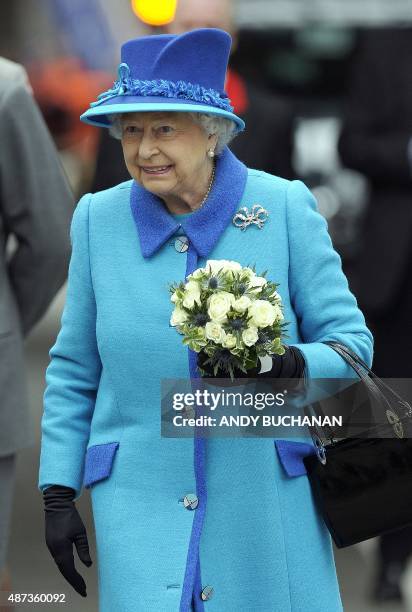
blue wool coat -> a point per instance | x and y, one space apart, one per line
255 536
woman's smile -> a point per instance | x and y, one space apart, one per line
156 170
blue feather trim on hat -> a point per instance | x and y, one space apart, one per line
125 85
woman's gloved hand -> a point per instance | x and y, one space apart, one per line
64 527
289 365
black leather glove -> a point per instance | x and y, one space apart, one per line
289 365
64 527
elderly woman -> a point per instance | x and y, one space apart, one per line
184 524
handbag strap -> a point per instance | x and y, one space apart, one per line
363 375
350 357
348 351
356 362
373 383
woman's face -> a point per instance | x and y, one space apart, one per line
166 152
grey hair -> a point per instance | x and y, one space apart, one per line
225 129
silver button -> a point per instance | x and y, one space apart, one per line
181 244
206 593
190 501
189 412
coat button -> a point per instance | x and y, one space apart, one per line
189 412
207 593
182 244
190 501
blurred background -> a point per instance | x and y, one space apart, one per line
325 87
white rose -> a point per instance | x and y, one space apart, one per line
233 266
242 304
263 313
214 331
191 295
173 297
178 317
219 305
248 273
279 313
250 336
215 265
197 273
257 283
229 341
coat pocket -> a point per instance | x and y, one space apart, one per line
291 455
99 462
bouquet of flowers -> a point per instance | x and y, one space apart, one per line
231 314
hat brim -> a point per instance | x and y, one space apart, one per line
99 115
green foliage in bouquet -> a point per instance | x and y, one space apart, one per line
231 314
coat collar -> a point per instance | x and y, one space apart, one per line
155 224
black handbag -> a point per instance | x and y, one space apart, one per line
363 485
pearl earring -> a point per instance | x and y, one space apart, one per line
211 153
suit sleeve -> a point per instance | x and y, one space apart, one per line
36 205
322 301
110 168
372 141
74 372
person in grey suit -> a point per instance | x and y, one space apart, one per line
36 205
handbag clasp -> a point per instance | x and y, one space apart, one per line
394 420
320 449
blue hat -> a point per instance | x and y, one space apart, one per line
169 73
